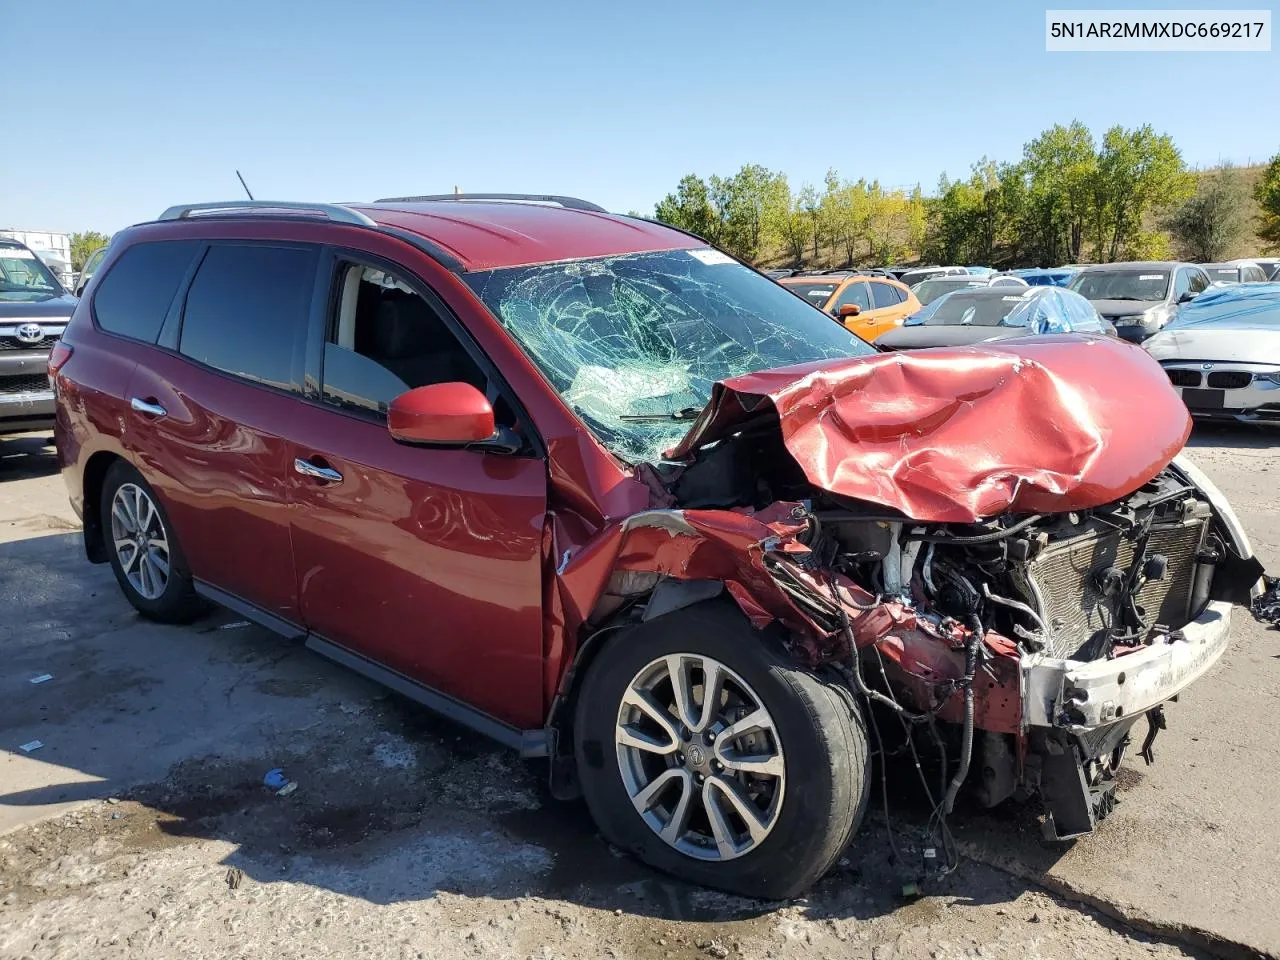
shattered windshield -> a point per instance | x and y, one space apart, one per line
634 343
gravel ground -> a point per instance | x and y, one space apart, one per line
408 838
405 837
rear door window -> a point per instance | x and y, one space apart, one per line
134 296
885 294
246 311
855 293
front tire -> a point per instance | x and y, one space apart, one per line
755 790
143 550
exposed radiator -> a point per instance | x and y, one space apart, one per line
1066 590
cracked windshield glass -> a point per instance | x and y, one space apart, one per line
633 344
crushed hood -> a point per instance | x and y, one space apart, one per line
954 435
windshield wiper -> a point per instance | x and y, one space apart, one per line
687 413
1123 298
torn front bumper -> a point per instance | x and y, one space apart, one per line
1079 697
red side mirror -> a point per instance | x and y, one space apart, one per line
849 310
452 414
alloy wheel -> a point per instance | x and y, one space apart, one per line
140 541
700 757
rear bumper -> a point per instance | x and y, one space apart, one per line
1081 697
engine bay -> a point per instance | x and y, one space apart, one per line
938 624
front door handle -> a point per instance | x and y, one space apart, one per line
138 405
309 469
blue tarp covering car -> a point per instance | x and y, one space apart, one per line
1242 305
1046 277
980 314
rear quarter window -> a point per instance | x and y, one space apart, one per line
885 294
134 296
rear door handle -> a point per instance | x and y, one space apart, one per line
309 469
138 405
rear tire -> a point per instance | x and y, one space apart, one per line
143 550
793 756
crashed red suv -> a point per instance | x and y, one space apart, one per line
596 489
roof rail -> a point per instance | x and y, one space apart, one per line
569 203
332 211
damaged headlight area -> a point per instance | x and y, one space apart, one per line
1027 647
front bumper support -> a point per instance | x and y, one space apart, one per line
1079 697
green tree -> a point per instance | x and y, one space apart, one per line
1212 221
917 220
809 204
83 244
1061 166
1267 193
756 199
959 221
795 233
689 208
743 213
1139 171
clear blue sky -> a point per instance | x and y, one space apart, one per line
129 106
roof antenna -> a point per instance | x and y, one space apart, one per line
243 184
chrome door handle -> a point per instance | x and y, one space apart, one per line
309 469
138 405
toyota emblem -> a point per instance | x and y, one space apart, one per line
30 333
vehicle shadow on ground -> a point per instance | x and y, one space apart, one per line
392 803
27 456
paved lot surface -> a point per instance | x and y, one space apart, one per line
141 828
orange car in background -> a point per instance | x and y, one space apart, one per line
867 306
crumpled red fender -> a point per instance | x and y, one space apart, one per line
731 546
685 544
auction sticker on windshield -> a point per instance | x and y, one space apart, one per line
711 257
1151 276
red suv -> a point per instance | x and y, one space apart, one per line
593 487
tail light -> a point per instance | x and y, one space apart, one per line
58 356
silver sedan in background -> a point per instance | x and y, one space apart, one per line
1222 350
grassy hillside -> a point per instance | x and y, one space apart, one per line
832 256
